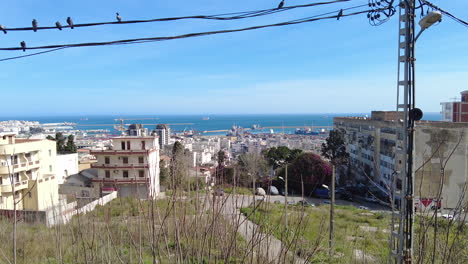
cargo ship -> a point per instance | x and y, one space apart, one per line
305 131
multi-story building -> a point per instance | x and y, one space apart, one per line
130 166
163 131
372 144
27 173
456 111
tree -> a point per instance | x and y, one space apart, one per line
334 148
220 177
60 141
70 146
309 169
252 166
163 173
279 156
178 165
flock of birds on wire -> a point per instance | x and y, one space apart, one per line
59 26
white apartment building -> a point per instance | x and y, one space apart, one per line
27 173
131 166
163 131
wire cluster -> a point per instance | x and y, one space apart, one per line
381 11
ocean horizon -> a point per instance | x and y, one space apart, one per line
286 123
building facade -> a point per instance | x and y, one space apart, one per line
440 156
65 166
130 166
163 131
27 173
456 111
372 144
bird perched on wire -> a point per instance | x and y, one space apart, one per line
70 22
58 25
34 25
119 18
23 45
281 4
2 28
339 14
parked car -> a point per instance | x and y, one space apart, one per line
273 190
326 202
363 207
305 203
321 193
218 192
447 216
260 191
371 199
291 202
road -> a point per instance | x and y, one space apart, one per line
266 245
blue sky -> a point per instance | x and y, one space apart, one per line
326 66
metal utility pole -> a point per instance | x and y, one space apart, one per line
332 216
401 241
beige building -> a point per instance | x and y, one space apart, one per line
442 145
373 144
130 166
27 173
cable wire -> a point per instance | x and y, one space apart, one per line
189 35
227 16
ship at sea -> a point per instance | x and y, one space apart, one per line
305 131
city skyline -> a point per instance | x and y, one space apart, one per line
293 69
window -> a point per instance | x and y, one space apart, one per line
125 174
1 180
16 195
17 177
29 195
125 160
50 153
128 144
15 159
143 145
122 144
107 174
141 160
28 156
141 173
50 168
106 160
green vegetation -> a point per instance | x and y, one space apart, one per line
183 230
355 229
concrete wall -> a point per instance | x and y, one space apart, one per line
65 166
441 145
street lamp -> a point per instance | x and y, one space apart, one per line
430 19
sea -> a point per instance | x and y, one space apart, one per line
210 124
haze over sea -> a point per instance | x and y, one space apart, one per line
197 122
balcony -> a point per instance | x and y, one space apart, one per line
7 188
27 165
121 152
120 166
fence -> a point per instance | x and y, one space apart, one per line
59 214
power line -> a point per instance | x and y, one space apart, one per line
227 16
32 54
189 35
